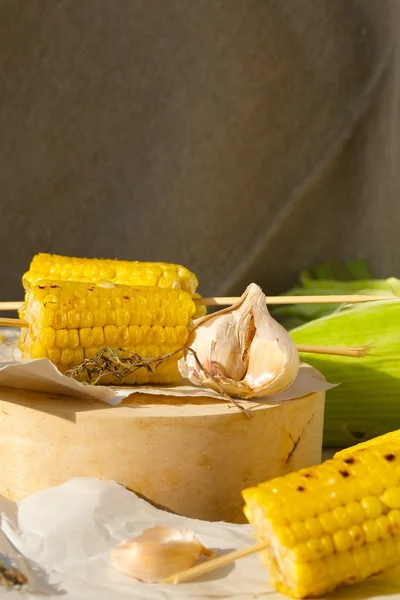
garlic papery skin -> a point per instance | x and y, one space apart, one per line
158 553
243 350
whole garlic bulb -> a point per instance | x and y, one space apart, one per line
158 553
244 350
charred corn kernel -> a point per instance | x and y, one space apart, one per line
86 317
353 540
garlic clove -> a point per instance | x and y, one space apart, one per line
157 553
273 358
245 352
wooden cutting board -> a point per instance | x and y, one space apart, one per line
192 457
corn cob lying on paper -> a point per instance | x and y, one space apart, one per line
333 524
71 321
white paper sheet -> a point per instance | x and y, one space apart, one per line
41 375
66 533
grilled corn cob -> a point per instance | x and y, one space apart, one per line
152 274
90 270
70 321
337 523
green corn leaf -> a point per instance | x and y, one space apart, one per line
367 401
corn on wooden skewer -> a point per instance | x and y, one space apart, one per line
355 352
272 300
325 526
69 322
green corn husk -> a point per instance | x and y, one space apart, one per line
355 278
367 401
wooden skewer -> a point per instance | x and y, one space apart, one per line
356 352
10 305
215 563
272 300
334 351
6 322
338 299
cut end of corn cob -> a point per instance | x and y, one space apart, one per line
122 272
333 524
71 321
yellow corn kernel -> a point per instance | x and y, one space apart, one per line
46 317
73 319
62 338
391 497
67 356
86 337
371 531
60 320
99 317
394 519
135 318
86 319
328 522
47 337
159 335
122 317
171 336
78 356
90 352
372 507
39 351
182 334
54 354
73 338
110 335
98 336
135 335
123 336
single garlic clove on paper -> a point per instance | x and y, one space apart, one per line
157 553
245 352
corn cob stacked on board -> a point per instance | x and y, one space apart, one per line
77 306
92 270
333 524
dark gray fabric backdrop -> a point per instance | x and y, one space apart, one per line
244 138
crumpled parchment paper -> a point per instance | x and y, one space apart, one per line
41 375
64 536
